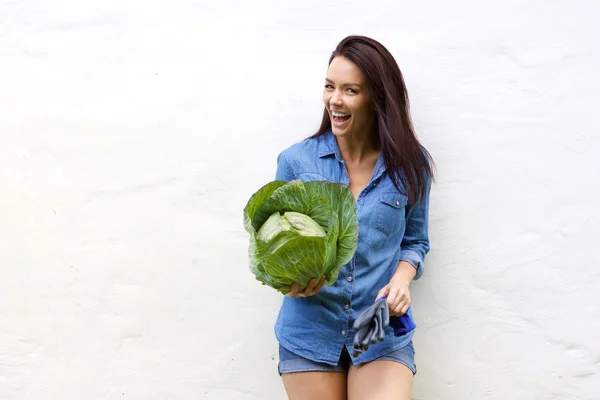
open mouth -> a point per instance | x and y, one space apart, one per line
340 117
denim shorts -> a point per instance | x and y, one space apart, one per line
291 362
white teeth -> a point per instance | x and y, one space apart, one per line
336 114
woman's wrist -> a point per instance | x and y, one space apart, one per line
405 272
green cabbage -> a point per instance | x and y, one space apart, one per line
299 231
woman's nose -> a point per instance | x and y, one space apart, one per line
335 99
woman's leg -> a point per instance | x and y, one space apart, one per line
384 379
315 385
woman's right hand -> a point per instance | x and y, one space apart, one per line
312 288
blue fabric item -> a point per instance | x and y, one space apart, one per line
402 324
290 362
390 230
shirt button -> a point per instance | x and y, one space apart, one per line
347 306
397 203
349 278
343 332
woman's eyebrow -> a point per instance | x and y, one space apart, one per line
345 84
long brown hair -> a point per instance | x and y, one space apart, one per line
405 158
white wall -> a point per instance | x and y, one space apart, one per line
132 135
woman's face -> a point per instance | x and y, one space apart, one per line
347 99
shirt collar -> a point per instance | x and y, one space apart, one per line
328 146
379 166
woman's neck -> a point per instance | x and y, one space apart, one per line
356 149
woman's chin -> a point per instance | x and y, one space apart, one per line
340 131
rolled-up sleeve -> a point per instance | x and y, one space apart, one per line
284 171
415 243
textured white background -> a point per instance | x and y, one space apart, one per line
132 135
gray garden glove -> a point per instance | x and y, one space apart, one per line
370 326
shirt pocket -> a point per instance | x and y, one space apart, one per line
391 211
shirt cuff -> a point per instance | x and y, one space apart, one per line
413 258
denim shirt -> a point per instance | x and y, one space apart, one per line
390 230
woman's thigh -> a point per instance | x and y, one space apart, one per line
313 385
380 380
310 380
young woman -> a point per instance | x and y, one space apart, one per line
366 141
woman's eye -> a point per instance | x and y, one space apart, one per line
328 86
352 91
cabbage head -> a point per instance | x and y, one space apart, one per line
299 231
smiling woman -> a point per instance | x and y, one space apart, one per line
365 141
346 98
364 79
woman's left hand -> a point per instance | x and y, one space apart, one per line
398 296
